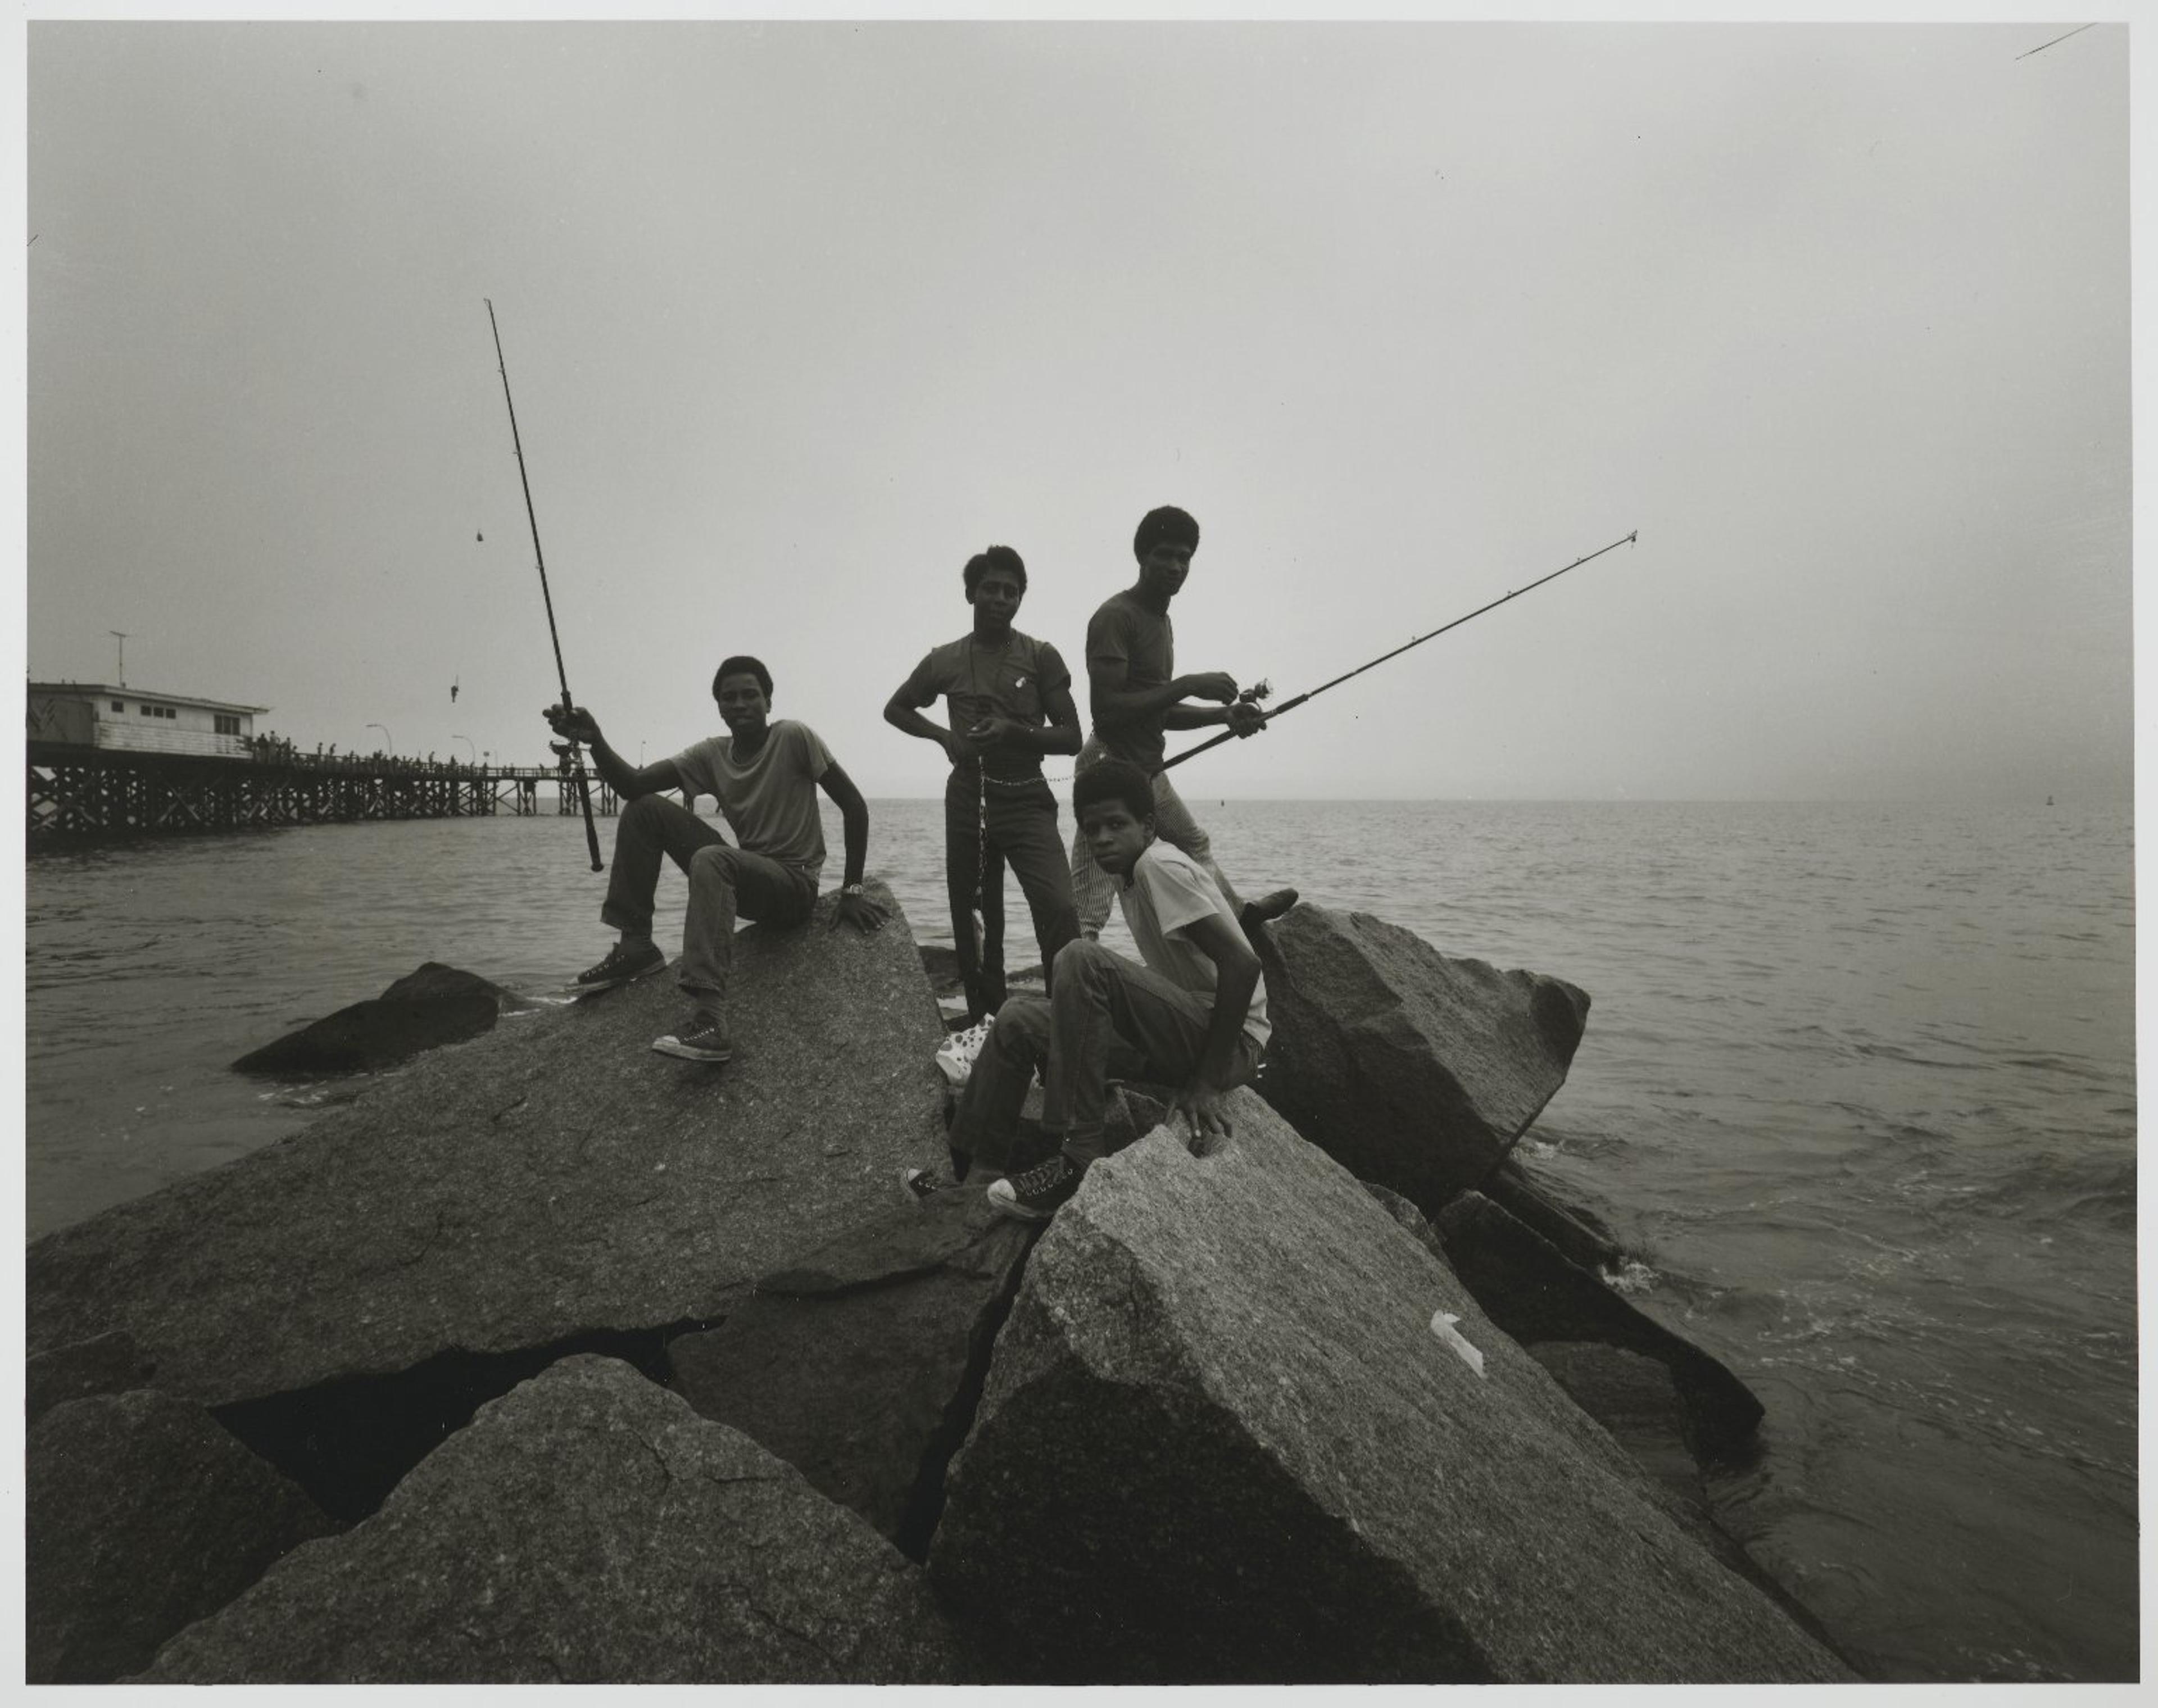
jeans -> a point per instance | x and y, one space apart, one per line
1102 1011
723 881
1093 889
986 825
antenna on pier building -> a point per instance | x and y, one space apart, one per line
121 667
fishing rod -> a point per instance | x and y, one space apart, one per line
576 756
1290 705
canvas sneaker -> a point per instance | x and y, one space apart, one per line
920 1185
623 964
1038 1194
704 1038
955 1054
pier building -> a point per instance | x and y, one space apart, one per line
127 719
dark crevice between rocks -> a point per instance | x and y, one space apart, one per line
348 1441
925 1502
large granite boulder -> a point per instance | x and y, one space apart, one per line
432 1006
860 1363
141 1515
552 1179
104 1364
1417 1069
1229 1435
586 1528
1535 1293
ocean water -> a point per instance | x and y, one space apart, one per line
1857 1091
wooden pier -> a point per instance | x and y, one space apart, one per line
82 792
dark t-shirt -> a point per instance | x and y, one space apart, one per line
1124 633
1013 682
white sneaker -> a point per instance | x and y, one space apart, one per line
955 1055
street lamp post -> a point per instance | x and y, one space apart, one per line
469 748
389 740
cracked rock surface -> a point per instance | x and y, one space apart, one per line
1221 1442
856 1362
552 1177
587 1527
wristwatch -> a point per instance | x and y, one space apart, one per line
850 889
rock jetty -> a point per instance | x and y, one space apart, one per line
580 1363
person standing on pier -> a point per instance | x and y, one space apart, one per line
1010 702
764 774
1136 694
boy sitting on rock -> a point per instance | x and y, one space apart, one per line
1193 1016
764 773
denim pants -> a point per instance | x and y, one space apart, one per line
1103 1012
723 881
986 825
1094 890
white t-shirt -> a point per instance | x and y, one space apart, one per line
1168 891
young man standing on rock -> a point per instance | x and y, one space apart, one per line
764 775
1136 694
1009 700
1193 1015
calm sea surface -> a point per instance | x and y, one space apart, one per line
1858 1087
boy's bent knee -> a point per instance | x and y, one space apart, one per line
1080 957
1023 1022
719 857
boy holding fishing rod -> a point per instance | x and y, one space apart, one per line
1136 694
764 774
1009 700
1192 1013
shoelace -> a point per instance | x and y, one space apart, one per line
1042 1177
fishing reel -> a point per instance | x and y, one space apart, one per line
1259 690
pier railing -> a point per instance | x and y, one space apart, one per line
76 790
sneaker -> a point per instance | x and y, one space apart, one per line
919 1185
955 1055
623 964
704 1038
1271 906
1037 1195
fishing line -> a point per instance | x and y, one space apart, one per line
1290 705
577 755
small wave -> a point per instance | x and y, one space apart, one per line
2043 1190
1632 1277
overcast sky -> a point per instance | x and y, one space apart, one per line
798 316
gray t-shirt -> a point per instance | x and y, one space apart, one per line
1124 633
770 803
1015 681
1169 891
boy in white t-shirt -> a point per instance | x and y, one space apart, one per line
1195 1013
